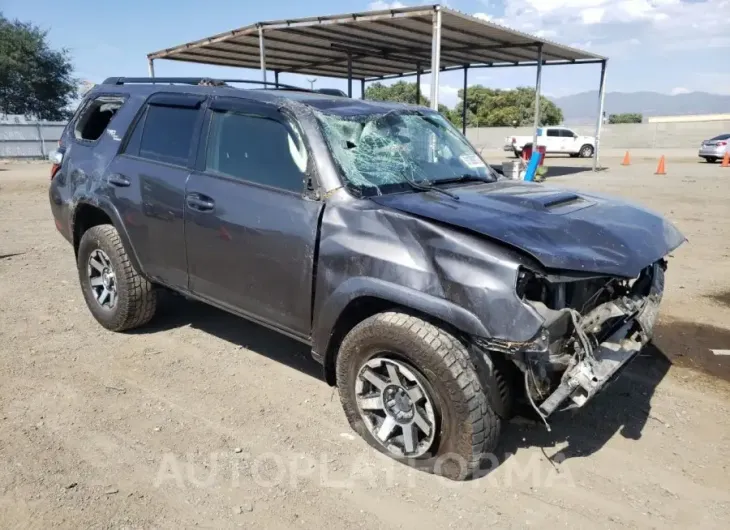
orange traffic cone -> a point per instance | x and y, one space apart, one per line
627 160
661 169
726 159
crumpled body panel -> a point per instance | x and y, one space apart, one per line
562 229
394 254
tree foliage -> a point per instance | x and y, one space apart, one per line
486 107
625 118
400 92
35 80
489 107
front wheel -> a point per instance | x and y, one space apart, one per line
115 293
586 151
410 389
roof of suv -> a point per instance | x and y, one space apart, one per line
317 100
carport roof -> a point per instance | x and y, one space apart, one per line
381 44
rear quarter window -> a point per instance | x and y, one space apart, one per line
95 115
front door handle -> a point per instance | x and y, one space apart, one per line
119 180
199 202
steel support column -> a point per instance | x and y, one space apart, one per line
538 84
435 57
463 110
262 53
418 84
362 88
151 67
349 75
599 122
276 78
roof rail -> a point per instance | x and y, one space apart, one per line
196 81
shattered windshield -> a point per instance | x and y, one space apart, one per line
378 153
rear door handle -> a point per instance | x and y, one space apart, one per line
119 180
199 202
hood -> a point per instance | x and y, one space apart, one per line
562 229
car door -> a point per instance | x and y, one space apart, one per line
250 228
567 141
154 165
552 141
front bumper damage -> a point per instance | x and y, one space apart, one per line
632 320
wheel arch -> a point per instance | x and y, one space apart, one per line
87 214
361 298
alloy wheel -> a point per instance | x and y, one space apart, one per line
396 407
102 279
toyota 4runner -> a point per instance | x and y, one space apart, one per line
434 292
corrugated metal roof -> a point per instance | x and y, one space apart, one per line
385 43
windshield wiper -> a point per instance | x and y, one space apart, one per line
463 178
425 185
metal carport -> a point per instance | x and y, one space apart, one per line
386 44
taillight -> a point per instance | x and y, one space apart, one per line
721 143
56 158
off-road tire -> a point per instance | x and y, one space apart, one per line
136 297
586 151
467 427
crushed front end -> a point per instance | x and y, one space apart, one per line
594 326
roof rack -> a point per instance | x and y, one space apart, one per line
198 81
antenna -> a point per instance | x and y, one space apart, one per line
311 80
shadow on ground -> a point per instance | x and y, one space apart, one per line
177 311
624 408
561 171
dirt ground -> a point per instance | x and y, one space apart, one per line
203 419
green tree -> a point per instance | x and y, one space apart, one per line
35 80
400 92
404 92
625 118
490 107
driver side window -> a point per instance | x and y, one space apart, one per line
256 149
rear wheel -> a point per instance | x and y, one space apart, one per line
586 151
115 293
710 159
410 389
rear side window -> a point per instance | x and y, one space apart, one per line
256 149
166 129
95 117
168 133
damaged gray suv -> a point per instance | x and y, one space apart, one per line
435 293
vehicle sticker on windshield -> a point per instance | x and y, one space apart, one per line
472 161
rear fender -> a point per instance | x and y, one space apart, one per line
110 210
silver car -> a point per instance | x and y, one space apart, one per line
714 149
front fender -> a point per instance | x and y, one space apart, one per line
358 287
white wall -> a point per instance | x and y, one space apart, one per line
623 136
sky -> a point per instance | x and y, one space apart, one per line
668 46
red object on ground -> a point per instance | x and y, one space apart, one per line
541 149
527 153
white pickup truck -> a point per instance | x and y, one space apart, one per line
555 140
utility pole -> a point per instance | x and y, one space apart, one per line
311 80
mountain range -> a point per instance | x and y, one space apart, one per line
582 108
